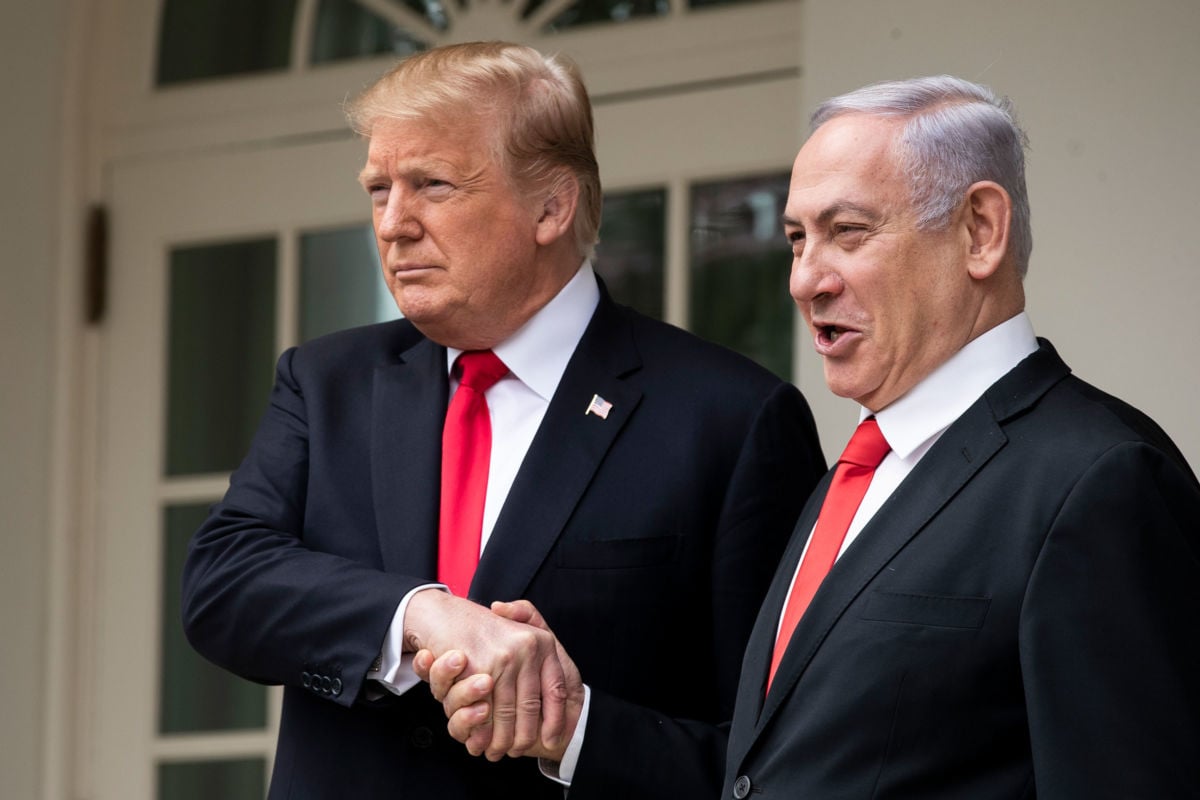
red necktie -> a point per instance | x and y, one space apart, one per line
466 455
855 469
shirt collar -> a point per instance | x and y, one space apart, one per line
537 354
933 404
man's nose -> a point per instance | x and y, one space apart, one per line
813 276
398 220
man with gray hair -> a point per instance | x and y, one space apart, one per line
993 595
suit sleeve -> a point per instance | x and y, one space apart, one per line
1109 651
631 751
261 603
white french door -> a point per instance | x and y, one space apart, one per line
218 262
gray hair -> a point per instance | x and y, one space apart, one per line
957 133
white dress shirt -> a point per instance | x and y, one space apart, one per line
536 357
913 423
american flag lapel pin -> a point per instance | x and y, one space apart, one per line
599 406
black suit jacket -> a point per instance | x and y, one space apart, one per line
1018 620
647 540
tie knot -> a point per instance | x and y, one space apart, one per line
867 446
480 369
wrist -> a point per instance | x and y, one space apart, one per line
425 608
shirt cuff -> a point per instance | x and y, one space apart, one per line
564 771
393 667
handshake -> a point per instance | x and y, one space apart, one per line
507 685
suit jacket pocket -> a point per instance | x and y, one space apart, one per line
938 611
617 553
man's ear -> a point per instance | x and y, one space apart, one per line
557 213
988 221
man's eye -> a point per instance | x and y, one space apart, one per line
795 236
849 234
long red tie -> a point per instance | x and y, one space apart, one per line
466 455
851 478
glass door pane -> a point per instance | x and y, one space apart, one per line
221 351
195 695
341 284
232 779
223 37
631 256
739 268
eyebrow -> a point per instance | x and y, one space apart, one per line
369 175
835 209
418 166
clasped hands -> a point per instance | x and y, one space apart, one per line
507 685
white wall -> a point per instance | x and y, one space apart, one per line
1106 90
29 157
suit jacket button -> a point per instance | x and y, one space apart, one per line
306 680
422 738
337 686
741 788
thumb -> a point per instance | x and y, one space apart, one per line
421 664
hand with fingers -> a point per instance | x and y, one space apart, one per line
527 675
472 703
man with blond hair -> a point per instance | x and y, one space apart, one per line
517 435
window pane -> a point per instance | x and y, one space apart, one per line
344 29
341 284
209 39
631 255
196 695
242 779
222 348
709 3
739 269
587 12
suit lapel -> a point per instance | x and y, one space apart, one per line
408 407
563 457
953 461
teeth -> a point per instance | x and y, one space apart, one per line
833 334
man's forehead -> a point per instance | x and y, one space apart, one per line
845 165
850 142
417 145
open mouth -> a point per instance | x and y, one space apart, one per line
831 333
831 339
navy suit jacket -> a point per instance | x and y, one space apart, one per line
647 540
1018 620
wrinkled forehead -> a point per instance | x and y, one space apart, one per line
394 134
851 143
849 159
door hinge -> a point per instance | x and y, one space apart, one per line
95 266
